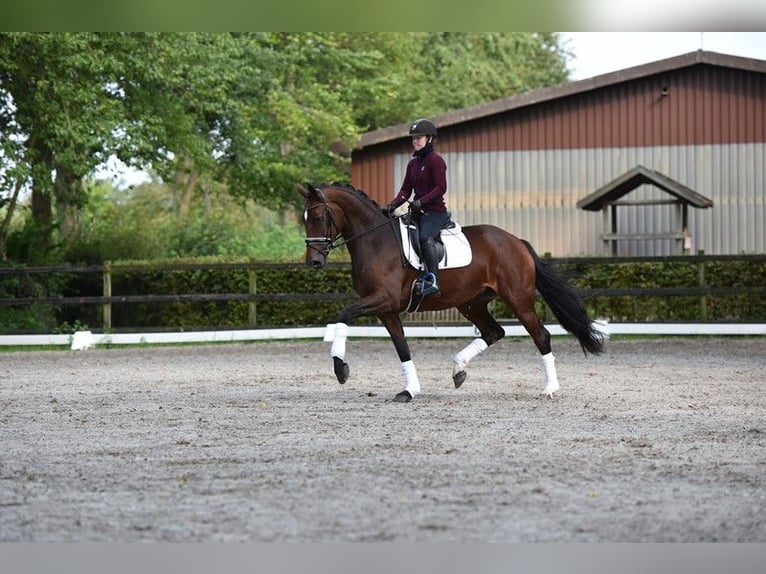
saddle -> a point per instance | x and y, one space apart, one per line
455 247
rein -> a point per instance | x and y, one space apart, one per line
365 232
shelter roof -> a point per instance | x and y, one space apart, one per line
632 179
700 57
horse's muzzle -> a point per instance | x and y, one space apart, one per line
316 262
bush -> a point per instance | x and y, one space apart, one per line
145 224
336 279
747 306
290 279
593 279
29 318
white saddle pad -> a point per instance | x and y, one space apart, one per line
457 250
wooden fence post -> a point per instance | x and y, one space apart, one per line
107 307
251 305
702 283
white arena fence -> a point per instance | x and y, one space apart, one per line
86 339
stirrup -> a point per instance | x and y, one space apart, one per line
427 277
432 287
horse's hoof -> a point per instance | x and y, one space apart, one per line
403 397
341 369
550 389
459 378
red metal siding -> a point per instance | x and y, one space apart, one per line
703 105
544 155
372 171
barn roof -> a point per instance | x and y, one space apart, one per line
700 57
637 176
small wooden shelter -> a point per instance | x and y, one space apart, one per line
609 197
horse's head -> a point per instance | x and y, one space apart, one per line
321 227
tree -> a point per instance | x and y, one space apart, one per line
68 101
313 94
54 122
298 119
453 70
244 113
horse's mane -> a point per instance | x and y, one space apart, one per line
371 203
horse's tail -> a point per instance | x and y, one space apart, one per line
566 305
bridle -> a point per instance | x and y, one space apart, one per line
330 241
326 243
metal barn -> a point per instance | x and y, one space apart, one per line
525 162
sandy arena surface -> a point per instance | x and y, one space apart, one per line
659 440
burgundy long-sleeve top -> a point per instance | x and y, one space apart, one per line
427 175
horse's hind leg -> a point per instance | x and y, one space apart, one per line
476 311
526 314
542 339
522 304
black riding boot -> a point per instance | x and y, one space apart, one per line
431 262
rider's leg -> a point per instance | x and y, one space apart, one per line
431 224
431 262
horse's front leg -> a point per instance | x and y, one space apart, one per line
386 309
338 352
370 305
393 325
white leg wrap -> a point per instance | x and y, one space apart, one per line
474 348
411 382
551 379
339 341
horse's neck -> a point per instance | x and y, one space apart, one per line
361 224
358 219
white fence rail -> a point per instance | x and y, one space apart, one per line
86 339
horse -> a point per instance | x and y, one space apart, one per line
502 265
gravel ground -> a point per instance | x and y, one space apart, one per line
660 440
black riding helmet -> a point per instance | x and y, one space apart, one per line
422 127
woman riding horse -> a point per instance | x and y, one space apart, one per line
426 175
501 265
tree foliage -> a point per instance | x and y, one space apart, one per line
453 70
241 114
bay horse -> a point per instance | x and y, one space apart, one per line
502 265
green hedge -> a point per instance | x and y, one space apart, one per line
743 307
44 318
234 314
592 278
583 276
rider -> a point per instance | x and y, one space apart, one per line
426 174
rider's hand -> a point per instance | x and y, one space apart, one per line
416 205
389 209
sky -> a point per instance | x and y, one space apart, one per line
597 53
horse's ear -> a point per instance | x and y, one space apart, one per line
302 190
306 189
